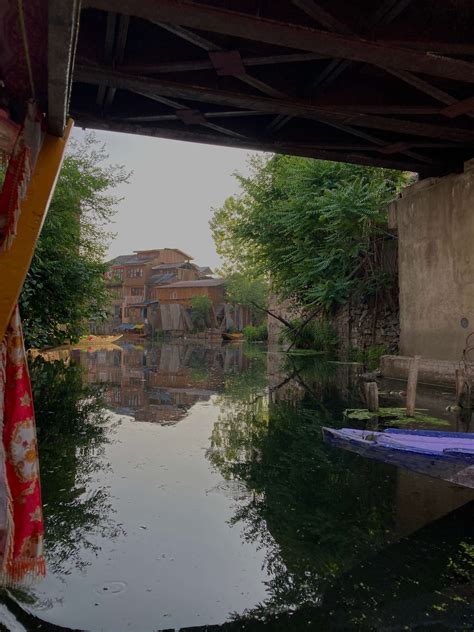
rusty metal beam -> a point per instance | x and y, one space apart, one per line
232 23
63 27
283 147
159 88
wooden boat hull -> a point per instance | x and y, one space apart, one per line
455 465
237 336
93 341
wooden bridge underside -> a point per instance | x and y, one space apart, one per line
384 83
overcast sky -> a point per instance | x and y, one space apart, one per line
171 191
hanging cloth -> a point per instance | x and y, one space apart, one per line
21 515
21 146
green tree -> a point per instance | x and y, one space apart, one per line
250 292
65 284
314 227
200 310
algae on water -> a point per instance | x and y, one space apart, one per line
393 417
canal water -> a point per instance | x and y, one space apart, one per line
188 488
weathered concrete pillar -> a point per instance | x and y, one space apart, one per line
435 223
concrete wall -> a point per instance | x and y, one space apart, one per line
435 221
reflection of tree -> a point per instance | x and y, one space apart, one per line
311 535
243 406
73 429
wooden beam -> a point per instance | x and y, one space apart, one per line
422 85
430 46
15 262
388 11
326 19
217 20
205 64
297 149
380 143
183 110
394 148
367 108
461 107
157 87
108 52
189 36
209 46
63 27
427 88
158 118
119 51
385 13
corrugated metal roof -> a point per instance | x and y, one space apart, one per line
205 270
186 256
123 260
198 283
162 279
173 266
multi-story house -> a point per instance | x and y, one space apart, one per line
134 280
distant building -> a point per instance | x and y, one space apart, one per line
183 291
136 283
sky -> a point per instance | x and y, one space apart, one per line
171 192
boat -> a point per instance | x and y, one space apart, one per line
132 330
445 455
93 341
237 336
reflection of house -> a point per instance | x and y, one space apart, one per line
160 384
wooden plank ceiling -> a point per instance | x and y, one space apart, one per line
374 82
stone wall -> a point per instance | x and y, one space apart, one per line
435 222
283 308
355 323
362 325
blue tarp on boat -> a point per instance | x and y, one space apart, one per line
445 455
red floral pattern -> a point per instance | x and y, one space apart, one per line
23 546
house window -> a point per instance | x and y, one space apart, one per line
173 294
137 291
135 272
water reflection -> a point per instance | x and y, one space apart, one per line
73 430
160 384
215 504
